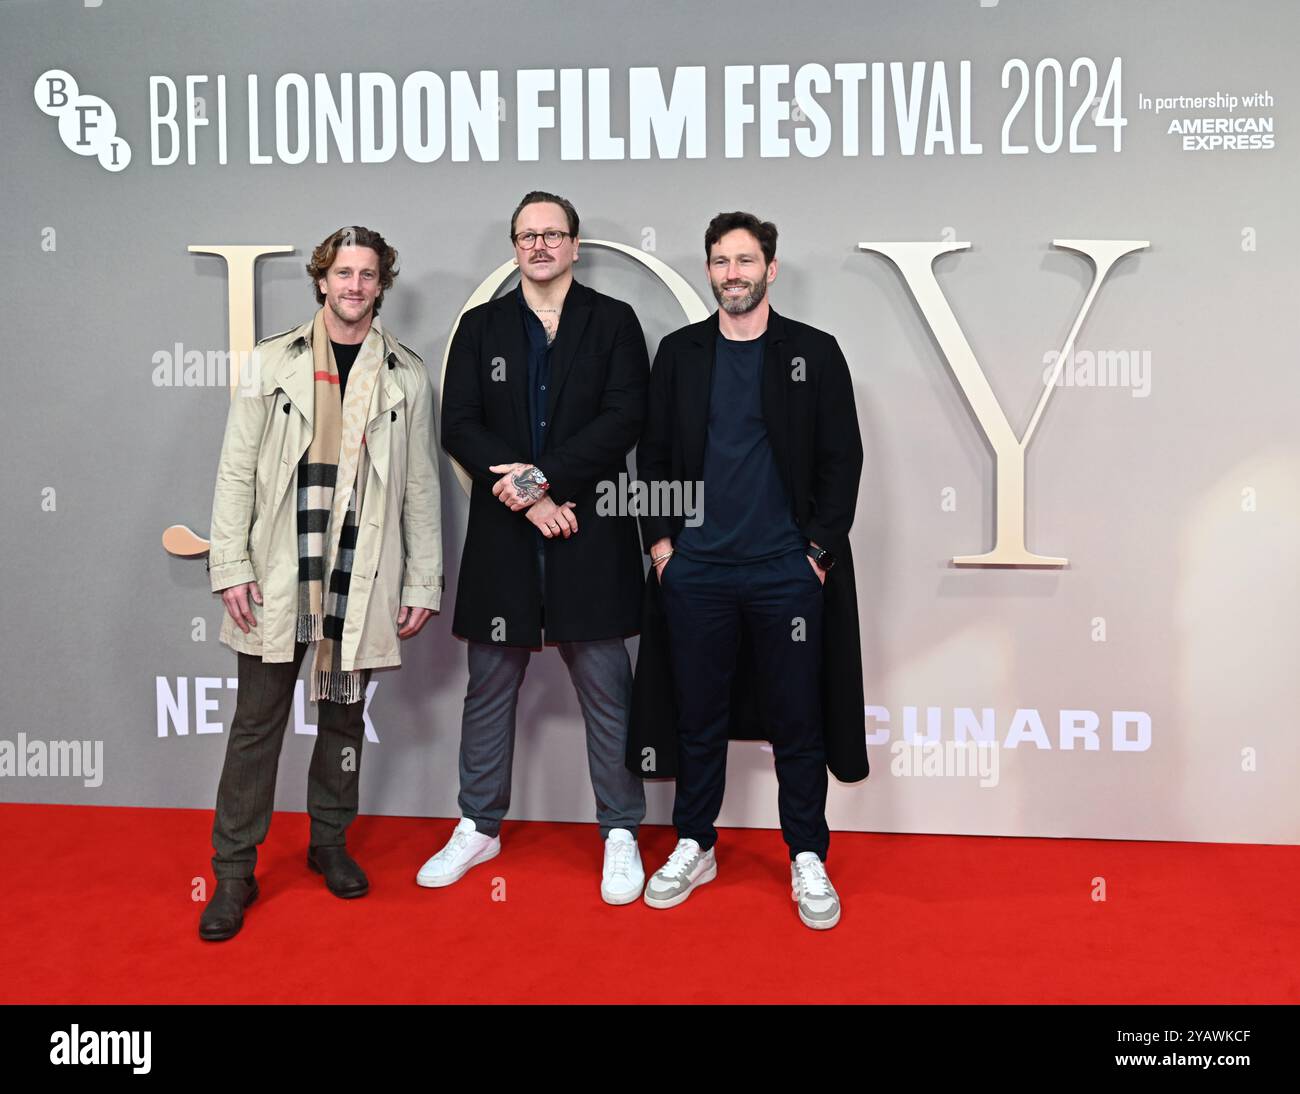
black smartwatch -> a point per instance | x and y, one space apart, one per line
822 557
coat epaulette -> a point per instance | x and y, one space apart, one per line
273 337
411 352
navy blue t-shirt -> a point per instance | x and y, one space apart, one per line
747 513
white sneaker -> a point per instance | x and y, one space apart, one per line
466 848
811 889
623 876
686 868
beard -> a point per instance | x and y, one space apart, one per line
351 311
740 305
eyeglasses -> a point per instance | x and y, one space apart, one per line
552 239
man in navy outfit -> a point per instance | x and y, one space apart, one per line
760 409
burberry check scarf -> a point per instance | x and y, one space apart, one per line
331 488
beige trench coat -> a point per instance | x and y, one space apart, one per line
398 559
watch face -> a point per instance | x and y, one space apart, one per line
825 560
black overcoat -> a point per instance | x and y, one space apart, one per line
812 425
596 404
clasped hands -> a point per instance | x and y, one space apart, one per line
549 518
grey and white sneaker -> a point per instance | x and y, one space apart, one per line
811 889
686 868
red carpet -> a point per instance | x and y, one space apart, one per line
98 909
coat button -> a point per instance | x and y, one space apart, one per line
286 408
394 415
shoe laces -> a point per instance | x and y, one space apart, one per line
454 845
812 877
619 857
679 859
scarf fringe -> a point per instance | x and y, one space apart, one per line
336 687
311 627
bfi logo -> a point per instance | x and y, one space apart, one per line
87 124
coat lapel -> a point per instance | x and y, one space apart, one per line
389 393
573 324
507 330
694 384
292 374
776 405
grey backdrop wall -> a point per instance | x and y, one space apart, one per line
1172 487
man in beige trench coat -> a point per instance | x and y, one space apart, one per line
325 538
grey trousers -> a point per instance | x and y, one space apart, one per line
246 794
602 676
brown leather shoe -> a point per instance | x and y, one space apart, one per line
224 915
343 877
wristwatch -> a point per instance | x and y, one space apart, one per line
822 557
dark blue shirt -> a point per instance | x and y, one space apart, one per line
747 512
539 373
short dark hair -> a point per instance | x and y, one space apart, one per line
322 258
539 197
762 230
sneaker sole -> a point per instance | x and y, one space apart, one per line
673 901
627 898
451 879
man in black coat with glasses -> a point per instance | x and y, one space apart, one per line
544 397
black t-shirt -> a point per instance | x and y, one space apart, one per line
344 356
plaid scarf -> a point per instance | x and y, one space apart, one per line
331 489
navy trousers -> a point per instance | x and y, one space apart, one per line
780 602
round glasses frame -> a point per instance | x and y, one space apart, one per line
528 240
